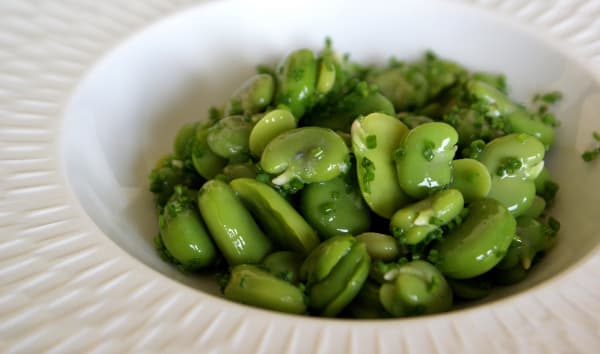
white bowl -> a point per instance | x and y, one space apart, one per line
124 114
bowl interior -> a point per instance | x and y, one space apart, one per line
125 113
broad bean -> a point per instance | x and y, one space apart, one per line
183 233
296 81
471 178
335 207
229 137
374 140
309 154
268 127
334 273
253 96
413 223
424 158
231 225
277 217
380 246
514 161
479 243
251 285
419 288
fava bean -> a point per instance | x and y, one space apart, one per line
517 118
514 162
335 207
479 243
183 233
380 246
419 288
251 285
277 217
327 75
537 207
168 173
184 140
296 81
404 87
239 170
309 154
413 223
268 127
285 265
471 289
366 304
411 120
374 140
424 158
362 100
205 162
334 273
253 96
232 227
532 237
471 178
229 137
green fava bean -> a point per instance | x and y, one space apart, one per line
232 227
334 207
412 224
411 120
309 154
229 137
253 96
491 96
521 122
508 276
404 87
471 289
374 140
537 207
479 243
424 158
170 172
297 78
326 78
335 272
518 119
184 140
268 127
206 163
350 290
277 217
285 265
471 178
183 233
514 156
253 286
362 100
380 246
239 170
384 272
514 162
532 238
471 125
515 194
366 304
545 187
419 288
324 257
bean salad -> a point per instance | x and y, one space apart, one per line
325 187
